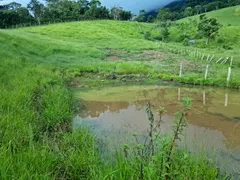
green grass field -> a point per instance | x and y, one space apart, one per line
228 35
107 46
225 16
36 107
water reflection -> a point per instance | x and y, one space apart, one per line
214 121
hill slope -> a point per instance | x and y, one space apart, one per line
70 41
228 40
106 46
225 16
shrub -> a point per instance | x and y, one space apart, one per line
220 40
227 47
202 46
185 42
147 35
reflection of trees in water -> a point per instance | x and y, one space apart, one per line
95 108
169 98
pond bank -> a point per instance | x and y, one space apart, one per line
101 80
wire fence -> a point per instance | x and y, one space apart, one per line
194 61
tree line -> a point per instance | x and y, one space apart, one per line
58 11
76 10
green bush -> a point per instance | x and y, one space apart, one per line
185 42
227 47
148 35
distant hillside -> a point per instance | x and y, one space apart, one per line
154 11
225 16
178 8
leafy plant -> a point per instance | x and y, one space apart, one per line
208 27
155 155
147 35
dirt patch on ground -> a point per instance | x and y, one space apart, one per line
152 54
114 52
113 58
184 62
119 54
145 55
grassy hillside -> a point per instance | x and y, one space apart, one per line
72 42
107 46
225 44
229 34
225 16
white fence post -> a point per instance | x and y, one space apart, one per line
180 73
226 100
208 57
206 72
219 60
229 74
211 58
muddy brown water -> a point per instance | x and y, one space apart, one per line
214 123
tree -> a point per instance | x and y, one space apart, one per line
84 6
37 8
188 12
126 15
165 33
96 11
237 12
205 7
198 9
163 26
164 14
187 30
24 15
95 3
140 17
150 19
208 27
215 5
116 12
176 16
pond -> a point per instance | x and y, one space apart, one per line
213 125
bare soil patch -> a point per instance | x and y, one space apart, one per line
152 54
113 58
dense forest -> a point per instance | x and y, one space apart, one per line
180 9
57 11
36 13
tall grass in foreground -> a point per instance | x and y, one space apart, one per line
37 141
